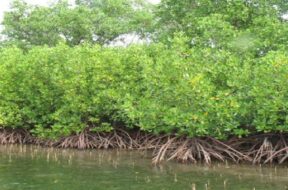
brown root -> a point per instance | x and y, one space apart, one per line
14 136
88 140
264 148
185 150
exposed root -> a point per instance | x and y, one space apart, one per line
264 148
87 140
186 150
14 136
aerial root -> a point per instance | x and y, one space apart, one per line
14 136
89 140
257 149
186 150
266 148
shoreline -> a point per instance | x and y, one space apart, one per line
255 149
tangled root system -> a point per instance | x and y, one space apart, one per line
257 149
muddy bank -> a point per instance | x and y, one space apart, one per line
255 149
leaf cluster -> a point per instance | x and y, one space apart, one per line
173 90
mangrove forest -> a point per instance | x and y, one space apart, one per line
204 80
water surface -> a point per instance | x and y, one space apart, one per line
31 167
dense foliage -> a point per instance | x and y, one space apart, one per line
63 90
215 68
245 26
99 22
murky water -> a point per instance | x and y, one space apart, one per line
30 167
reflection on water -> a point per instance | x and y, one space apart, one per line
30 167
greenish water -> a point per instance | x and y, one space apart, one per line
30 167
